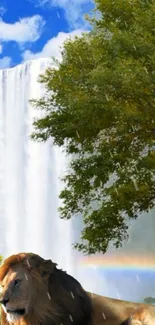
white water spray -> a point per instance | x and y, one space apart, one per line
29 173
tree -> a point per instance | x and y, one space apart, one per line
149 300
100 105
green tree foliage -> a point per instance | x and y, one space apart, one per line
149 300
100 105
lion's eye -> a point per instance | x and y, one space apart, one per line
17 281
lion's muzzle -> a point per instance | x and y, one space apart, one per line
4 302
19 312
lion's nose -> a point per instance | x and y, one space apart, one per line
4 301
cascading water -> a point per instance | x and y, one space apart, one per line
29 173
29 194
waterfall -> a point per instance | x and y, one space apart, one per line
29 173
30 183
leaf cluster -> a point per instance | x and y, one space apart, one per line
100 104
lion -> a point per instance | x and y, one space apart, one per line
143 316
35 292
110 311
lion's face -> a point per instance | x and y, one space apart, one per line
15 294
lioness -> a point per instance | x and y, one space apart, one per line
35 292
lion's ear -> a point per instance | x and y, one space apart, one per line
32 261
46 268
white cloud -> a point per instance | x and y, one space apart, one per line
1 48
74 9
25 30
2 10
53 46
5 62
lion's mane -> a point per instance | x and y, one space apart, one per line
68 301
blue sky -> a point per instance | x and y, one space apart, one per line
37 28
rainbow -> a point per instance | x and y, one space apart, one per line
119 262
